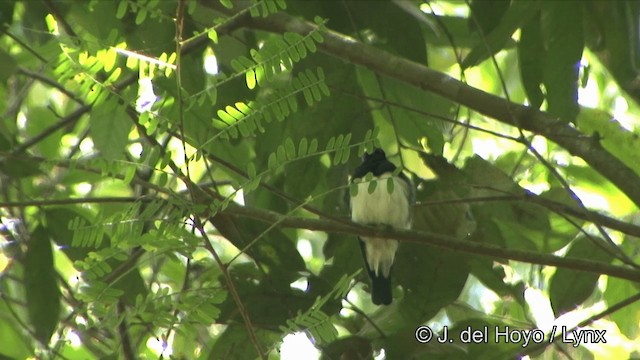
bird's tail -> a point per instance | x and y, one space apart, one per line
380 289
380 284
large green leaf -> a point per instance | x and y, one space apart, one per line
273 249
564 43
267 299
235 343
531 60
413 115
520 224
41 285
16 342
343 256
493 277
442 213
58 220
110 129
431 278
628 317
568 287
9 62
518 14
486 15
607 131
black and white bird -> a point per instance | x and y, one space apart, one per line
380 207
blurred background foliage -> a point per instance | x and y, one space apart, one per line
150 151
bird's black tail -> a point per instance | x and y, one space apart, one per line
380 289
380 285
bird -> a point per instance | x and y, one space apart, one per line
380 207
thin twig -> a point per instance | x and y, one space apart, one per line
231 287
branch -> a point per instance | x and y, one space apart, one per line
418 75
51 82
344 226
232 289
86 200
441 241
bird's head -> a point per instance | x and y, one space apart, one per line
376 156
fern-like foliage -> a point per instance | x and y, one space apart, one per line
96 264
84 235
277 55
156 308
200 306
82 69
338 145
244 119
101 295
265 8
287 152
314 320
144 9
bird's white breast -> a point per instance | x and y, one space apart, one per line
382 207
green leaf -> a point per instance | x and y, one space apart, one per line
213 35
141 16
8 65
281 154
41 285
621 142
6 12
234 343
568 287
628 317
520 224
372 185
109 129
302 177
290 149
390 185
313 146
432 278
251 170
272 163
493 276
486 15
530 61
518 14
331 144
251 79
19 168
564 43
41 118
353 189
416 124
11 333
303 146
448 219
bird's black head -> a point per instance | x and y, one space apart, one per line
376 163
376 156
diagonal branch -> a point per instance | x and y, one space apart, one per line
578 144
